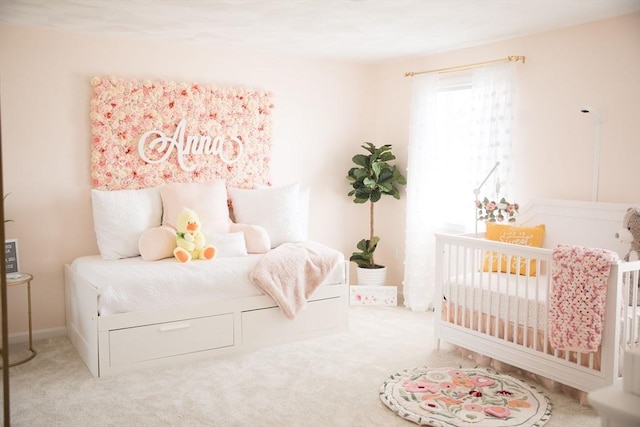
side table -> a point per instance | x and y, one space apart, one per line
16 280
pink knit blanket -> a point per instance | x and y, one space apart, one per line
291 272
578 296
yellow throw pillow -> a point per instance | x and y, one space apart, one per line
527 236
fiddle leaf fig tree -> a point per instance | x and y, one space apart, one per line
371 178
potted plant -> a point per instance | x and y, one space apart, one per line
371 178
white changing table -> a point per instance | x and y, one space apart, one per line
616 407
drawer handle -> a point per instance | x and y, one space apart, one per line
175 326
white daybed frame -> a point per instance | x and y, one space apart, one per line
567 222
124 342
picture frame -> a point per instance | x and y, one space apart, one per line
11 256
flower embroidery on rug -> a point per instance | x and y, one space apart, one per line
464 396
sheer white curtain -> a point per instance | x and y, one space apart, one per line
460 127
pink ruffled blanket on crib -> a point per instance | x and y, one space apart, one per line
291 272
578 296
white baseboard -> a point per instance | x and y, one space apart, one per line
41 334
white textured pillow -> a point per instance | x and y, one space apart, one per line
282 211
228 244
121 216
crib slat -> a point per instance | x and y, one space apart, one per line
487 324
507 309
470 306
525 321
514 282
462 294
535 303
634 278
451 272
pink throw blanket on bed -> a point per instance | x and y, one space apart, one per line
578 296
291 272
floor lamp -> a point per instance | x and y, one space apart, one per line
599 119
476 191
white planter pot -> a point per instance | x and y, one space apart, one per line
372 276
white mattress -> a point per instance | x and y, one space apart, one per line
508 296
132 284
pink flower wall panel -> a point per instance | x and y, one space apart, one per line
146 133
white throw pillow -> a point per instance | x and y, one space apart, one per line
282 211
256 238
157 243
121 216
228 244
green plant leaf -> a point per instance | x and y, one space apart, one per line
360 160
364 258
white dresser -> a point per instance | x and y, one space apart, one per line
619 405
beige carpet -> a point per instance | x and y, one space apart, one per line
329 381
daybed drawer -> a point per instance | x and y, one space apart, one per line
132 345
270 325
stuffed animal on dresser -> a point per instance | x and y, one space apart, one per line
190 242
630 233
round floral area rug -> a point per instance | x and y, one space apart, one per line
464 397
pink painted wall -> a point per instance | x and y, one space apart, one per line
321 116
324 111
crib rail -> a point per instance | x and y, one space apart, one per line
493 300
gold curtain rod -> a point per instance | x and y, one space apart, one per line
510 58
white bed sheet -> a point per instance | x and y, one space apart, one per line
132 284
517 299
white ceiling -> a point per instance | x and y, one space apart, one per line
358 30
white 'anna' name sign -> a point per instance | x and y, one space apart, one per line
187 144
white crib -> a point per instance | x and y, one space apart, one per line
504 316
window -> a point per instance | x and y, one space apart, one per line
454 146
460 126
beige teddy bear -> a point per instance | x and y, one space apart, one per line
630 233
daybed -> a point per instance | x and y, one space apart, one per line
135 306
501 300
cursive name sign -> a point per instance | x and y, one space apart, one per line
155 140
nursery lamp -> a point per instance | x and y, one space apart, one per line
598 117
